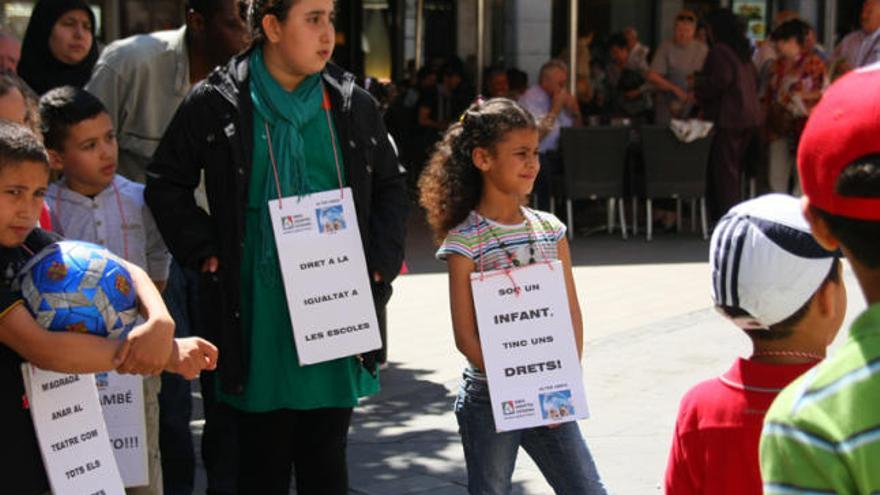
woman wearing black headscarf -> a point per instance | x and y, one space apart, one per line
727 90
59 47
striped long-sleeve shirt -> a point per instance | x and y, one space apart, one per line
822 434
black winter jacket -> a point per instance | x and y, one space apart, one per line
212 131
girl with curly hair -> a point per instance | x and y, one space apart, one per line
474 189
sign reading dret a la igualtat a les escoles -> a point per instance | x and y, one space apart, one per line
324 270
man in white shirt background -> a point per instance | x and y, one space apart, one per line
554 107
861 47
10 52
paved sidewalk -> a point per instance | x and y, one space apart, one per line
650 335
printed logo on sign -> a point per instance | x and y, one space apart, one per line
556 405
295 223
331 219
102 380
508 407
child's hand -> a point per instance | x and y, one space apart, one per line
192 355
147 347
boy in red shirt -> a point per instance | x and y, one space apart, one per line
774 281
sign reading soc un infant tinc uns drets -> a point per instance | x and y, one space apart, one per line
528 345
325 275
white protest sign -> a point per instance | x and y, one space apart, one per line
325 276
528 345
71 432
122 401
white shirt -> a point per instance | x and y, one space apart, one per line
859 48
116 218
538 102
869 51
141 80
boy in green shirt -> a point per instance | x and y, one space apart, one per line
822 434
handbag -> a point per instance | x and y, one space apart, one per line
779 120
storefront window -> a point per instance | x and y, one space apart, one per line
755 14
377 39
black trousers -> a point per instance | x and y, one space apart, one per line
382 318
311 442
725 168
220 442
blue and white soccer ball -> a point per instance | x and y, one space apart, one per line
79 287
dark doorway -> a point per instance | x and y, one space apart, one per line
349 52
602 18
848 13
440 30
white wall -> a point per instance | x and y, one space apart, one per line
529 24
527 34
467 28
409 31
666 18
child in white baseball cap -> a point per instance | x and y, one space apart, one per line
771 278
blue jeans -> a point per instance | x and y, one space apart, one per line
175 399
560 453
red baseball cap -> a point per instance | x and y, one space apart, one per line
843 127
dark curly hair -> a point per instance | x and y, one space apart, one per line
451 186
795 28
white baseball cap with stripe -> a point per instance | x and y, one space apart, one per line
765 261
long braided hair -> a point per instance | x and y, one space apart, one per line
451 186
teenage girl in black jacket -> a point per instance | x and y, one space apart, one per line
213 133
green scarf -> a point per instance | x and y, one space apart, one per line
286 113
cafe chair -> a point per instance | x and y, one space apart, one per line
677 170
593 161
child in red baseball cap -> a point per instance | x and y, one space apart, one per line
822 434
